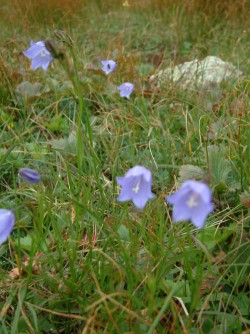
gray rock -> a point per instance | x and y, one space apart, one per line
205 74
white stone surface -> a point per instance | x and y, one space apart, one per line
207 73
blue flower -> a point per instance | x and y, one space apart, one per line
7 221
193 201
29 175
40 56
126 89
108 66
136 186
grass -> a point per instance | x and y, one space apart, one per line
78 261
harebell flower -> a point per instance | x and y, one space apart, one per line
193 201
108 66
126 89
7 221
136 186
39 55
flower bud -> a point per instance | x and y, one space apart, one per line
29 175
63 37
54 50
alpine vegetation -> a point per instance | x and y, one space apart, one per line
95 237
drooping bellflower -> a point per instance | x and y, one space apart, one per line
7 221
29 175
108 66
39 55
193 201
136 186
126 89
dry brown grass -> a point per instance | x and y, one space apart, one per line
227 8
40 11
49 11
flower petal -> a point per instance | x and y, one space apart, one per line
200 214
127 183
7 221
33 51
181 212
144 194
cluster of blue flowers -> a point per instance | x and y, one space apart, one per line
125 89
193 201
41 57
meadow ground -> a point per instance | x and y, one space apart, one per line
77 260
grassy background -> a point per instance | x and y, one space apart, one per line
78 261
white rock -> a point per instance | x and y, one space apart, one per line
209 72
